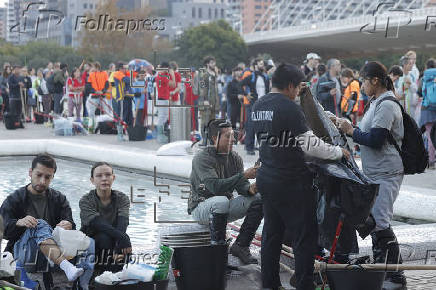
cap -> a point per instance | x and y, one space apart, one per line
312 55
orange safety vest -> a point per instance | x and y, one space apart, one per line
351 88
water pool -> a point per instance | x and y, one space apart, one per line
72 179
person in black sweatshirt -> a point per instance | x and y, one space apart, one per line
104 214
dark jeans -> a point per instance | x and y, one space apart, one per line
249 130
291 208
85 111
123 109
6 102
46 105
57 103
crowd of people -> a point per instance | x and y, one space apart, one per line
230 94
258 99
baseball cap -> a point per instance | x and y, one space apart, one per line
312 55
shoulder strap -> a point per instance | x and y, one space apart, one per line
390 137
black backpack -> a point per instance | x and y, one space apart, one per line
412 152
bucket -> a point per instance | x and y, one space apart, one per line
200 268
155 285
356 279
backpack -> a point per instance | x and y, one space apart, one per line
429 89
50 84
412 151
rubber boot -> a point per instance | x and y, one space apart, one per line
241 247
385 249
217 226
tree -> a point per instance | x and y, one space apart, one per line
217 39
112 43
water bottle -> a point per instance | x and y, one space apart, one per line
120 132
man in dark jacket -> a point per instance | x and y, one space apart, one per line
328 89
217 171
60 76
105 216
15 83
258 84
30 214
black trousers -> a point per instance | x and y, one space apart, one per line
235 113
104 251
291 207
15 107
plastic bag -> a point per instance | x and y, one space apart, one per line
7 264
63 127
107 278
140 272
71 242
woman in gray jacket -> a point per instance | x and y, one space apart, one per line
381 162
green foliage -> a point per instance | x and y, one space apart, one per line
217 39
38 54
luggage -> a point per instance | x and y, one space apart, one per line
107 127
12 121
137 133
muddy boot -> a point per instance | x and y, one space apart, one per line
385 249
217 226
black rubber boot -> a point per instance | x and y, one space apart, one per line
241 247
217 226
385 249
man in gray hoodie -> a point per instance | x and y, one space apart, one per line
217 172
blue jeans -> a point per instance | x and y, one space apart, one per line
27 254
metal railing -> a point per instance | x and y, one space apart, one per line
288 15
338 25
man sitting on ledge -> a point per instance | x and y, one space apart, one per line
29 215
217 171
105 216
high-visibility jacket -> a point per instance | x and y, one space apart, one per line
353 87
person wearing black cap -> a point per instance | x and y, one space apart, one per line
217 172
284 180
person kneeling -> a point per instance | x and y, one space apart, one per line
216 172
105 216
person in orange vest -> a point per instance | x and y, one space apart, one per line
99 86
351 96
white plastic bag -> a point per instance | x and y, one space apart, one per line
107 278
71 242
141 272
7 265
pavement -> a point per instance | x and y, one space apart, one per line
424 184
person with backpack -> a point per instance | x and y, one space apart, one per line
428 109
383 130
